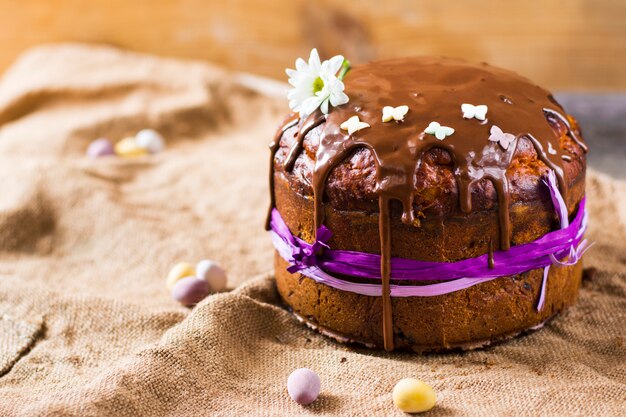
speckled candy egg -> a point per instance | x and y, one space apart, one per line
150 140
303 386
99 148
190 291
212 273
413 396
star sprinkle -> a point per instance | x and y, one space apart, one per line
439 131
474 112
503 139
394 113
353 124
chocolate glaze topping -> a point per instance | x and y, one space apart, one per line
434 89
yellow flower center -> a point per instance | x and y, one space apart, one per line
318 85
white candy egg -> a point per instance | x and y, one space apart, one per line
212 273
151 140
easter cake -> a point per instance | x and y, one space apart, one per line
425 203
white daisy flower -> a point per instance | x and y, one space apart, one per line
316 85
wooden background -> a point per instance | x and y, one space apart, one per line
562 44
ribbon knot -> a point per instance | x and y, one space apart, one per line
306 255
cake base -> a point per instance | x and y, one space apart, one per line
464 320
420 349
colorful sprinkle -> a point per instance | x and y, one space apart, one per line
353 124
394 113
303 386
440 132
99 148
503 139
413 396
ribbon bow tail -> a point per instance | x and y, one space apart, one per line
307 256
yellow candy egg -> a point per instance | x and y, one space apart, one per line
128 148
179 271
413 396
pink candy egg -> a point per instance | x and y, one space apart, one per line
303 386
99 148
190 291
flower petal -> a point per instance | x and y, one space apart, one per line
301 65
334 64
337 99
314 60
324 106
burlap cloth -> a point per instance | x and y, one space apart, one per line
88 328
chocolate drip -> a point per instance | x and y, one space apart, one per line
274 146
570 131
491 261
385 270
434 90
310 123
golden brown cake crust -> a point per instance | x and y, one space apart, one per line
468 318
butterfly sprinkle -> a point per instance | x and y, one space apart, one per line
503 139
440 132
353 124
474 112
394 113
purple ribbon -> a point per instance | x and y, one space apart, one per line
304 255
311 261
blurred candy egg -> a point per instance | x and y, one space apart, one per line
128 148
150 140
190 291
178 271
99 148
212 273
303 386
